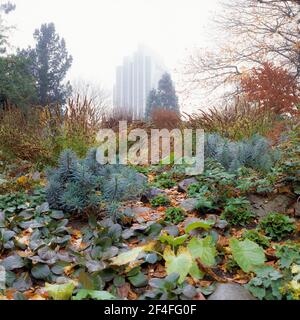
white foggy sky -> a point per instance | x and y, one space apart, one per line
99 33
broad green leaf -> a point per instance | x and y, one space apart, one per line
258 292
60 291
175 242
195 272
12 262
206 225
180 263
95 295
204 249
131 255
59 267
40 271
247 254
139 280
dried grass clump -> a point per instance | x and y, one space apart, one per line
111 120
23 136
242 120
41 134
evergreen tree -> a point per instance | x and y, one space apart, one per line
152 102
164 97
50 63
166 94
17 86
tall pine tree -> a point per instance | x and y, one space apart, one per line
50 63
164 97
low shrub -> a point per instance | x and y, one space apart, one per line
164 180
81 185
237 212
204 203
160 201
175 215
277 226
39 135
23 136
165 119
255 236
255 153
290 165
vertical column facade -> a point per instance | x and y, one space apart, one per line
138 75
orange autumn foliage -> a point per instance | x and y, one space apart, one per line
165 119
273 88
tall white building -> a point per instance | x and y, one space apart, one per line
139 74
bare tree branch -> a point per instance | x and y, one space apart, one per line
256 31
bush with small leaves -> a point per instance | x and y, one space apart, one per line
277 226
255 236
160 201
164 181
288 254
237 212
205 204
175 215
266 284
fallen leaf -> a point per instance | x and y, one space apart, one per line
10 293
132 295
68 270
76 234
223 242
25 254
131 255
160 272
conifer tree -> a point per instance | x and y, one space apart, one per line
167 98
50 62
152 103
164 97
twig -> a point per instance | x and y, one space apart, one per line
207 270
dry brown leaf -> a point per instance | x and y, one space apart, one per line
25 254
10 293
132 295
68 270
223 241
76 234
160 272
